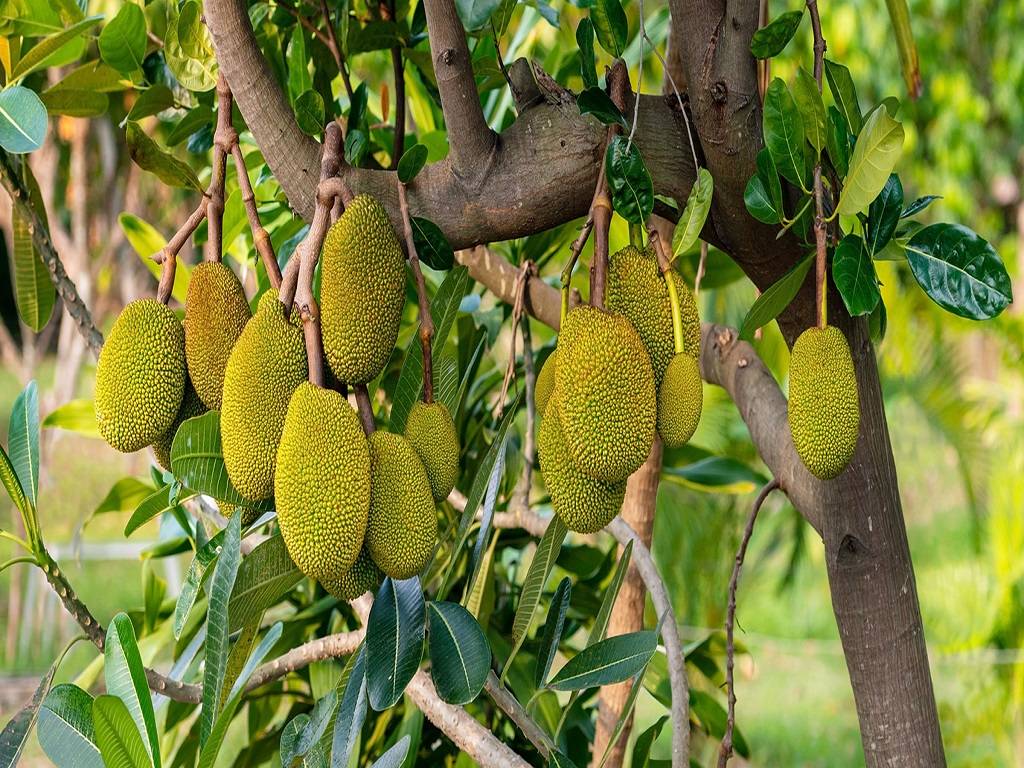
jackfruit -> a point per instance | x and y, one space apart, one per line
584 504
431 432
680 399
364 576
545 383
637 290
249 514
216 312
402 528
266 364
824 407
191 406
140 376
607 397
322 484
362 291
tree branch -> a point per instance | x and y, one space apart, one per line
508 704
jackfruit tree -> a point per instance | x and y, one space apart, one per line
350 440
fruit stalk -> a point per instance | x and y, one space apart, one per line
673 295
426 331
821 248
260 236
365 408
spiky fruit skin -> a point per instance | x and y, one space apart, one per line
607 398
680 400
584 504
362 291
140 376
637 290
322 483
266 364
430 430
216 312
545 383
364 576
191 406
402 528
249 514
824 407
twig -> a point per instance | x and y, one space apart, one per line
399 71
515 711
701 267
224 138
520 499
730 620
426 331
260 236
820 234
365 408
518 314
764 66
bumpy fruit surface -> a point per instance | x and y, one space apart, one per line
545 383
680 399
322 484
191 406
140 376
216 312
402 529
824 408
637 290
364 576
266 365
431 432
607 399
584 504
362 291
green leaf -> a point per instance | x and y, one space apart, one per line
644 742
356 146
770 304
33 288
150 157
763 195
874 156
195 119
395 756
475 13
552 631
125 678
712 717
302 734
411 163
266 574
784 133
877 322
197 458
309 112
12 485
630 183
594 101
116 735
812 108
459 655
78 416
919 205
18 728
884 215
691 222
147 242
717 474
192 34
585 42
75 103
351 713
394 640
93 77
152 101
625 715
854 276
837 141
22 120
609 661
773 37
840 82
604 614
611 26
560 760
36 58
205 557
960 271
65 728
196 74
122 42
432 246
126 494
23 440
156 503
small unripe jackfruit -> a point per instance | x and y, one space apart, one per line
362 291
216 312
430 430
140 376
607 399
824 407
680 399
364 576
266 365
191 406
402 528
322 484
545 383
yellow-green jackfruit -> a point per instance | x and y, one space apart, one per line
584 504
637 290
249 514
680 399
607 398
140 376
824 407
364 576
362 291
266 365
430 430
545 383
216 312
322 484
191 406
402 528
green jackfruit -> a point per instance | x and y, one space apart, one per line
545 383
680 399
431 432
140 376
266 365
824 407
362 291
191 406
585 505
216 312
402 529
364 576
637 290
322 484
249 514
607 396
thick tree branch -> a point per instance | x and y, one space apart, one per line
508 704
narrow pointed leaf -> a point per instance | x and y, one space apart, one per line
204 558
23 440
37 56
784 132
18 728
585 42
773 301
884 215
125 678
65 728
770 40
609 661
840 83
150 157
395 756
351 713
394 640
33 288
552 636
691 222
266 574
812 108
837 141
604 614
116 735
919 205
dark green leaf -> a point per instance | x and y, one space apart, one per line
22 120
37 57
23 440
758 200
600 628
610 661
299 79
198 117
784 133
18 728
712 717
691 222
302 734
837 141
610 25
309 112
475 13
552 636
459 655
644 742
11 483
717 474
74 103
150 157
116 735
122 42
356 146
351 713
431 245
560 760
628 179
877 322
919 205
772 38
874 156
624 717
812 108
155 503
845 94
412 162
884 215
395 756
65 728
372 36
854 276
778 296
205 557
197 459
266 574
33 288
152 101
594 101
585 42
394 640
125 677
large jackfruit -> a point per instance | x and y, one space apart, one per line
606 391
322 484
362 291
824 407
430 430
637 290
680 400
402 528
364 576
584 504
545 383
191 406
140 376
266 365
216 312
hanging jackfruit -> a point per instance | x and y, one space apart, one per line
191 406
364 576
680 399
431 432
545 383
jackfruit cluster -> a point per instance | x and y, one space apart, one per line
430 430
824 407
362 291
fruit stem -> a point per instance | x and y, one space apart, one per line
365 408
426 320
655 242
599 264
224 138
821 247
